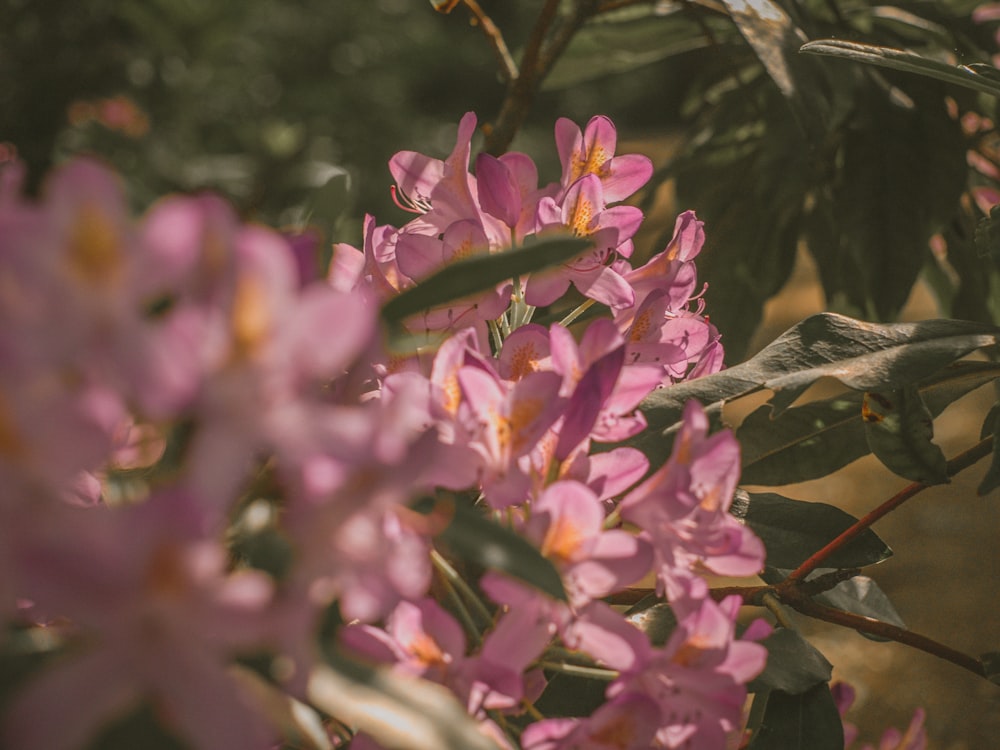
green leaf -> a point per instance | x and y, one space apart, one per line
899 429
991 426
988 235
897 59
657 622
793 530
991 666
863 356
862 596
570 695
398 711
474 538
479 273
628 40
807 721
891 149
814 440
804 443
775 40
793 664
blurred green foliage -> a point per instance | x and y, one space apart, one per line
269 101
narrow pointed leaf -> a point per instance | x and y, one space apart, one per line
793 530
474 538
479 273
862 356
807 721
793 664
899 429
967 76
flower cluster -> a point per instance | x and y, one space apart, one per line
170 381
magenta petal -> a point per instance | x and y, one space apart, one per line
605 286
499 195
587 400
416 174
419 255
608 637
612 473
627 174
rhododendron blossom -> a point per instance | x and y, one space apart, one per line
214 453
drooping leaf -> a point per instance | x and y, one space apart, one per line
967 76
793 664
807 721
861 355
793 530
775 40
398 711
479 273
814 440
899 143
899 429
472 537
862 596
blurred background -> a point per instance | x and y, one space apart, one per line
838 187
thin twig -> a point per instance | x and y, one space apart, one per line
883 629
961 462
547 41
508 68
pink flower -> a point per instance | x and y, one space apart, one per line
159 620
593 152
566 523
698 679
683 508
626 722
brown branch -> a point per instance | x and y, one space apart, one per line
869 625
508 68
547 41
961 462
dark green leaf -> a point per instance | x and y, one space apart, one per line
862 596
892 149
899 429
861 355
793 664
474 538
814 440
657 622
792 530
988 235
804 443
991 666
897 59
807 721
991 426
479 273
570 695
775 40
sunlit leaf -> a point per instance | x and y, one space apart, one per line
793 530
471 536
862 356
899 429
807 721
897 59
862 596
479 273
793 664
398 711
